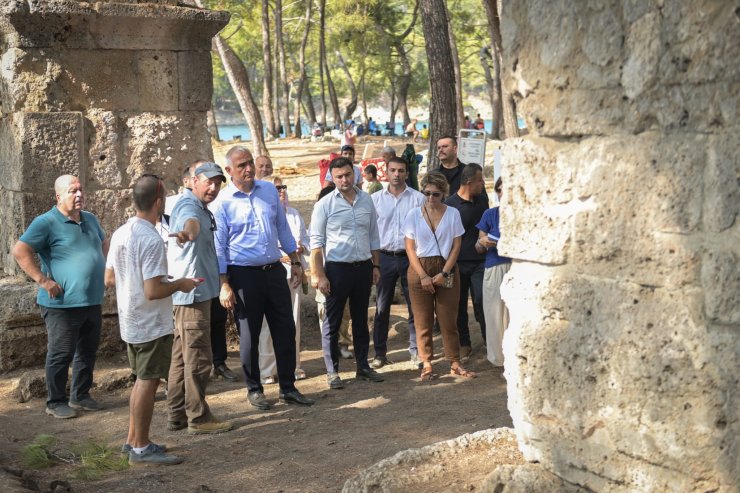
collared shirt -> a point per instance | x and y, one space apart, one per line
347 232
249 226
392 212
71 253
489 225
194 258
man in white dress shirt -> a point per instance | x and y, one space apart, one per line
392 206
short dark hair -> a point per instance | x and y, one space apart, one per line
326 190
370 168
451 137
340 162
147 189
396 159
498 185
469 171
347 148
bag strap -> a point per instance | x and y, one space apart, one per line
433 231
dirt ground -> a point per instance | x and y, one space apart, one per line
289 448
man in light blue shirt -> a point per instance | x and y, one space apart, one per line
191 253
344 232
251 228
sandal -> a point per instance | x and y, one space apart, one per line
459 371
427 374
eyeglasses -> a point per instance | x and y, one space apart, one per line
160 188
213 219
281 187
432 194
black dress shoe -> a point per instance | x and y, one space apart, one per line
258 400
295 397
226 373
369 374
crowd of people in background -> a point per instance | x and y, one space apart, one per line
231 242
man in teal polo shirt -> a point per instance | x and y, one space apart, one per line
72 248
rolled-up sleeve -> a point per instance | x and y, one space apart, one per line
318 226
374 233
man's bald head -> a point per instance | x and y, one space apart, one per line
61 184
69 194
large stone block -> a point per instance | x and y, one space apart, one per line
108 25
537 202
195 78
18 306
722 182
111 207
163 143
22 347
720 278
17 210
526 478
40 148
30 82
103 131
632 389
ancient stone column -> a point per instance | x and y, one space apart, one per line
102 90
621 212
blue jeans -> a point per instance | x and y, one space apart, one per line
391 268
471 280
73 335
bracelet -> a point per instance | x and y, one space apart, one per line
376 266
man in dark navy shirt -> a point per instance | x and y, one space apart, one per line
471 202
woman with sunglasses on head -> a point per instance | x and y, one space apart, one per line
433 238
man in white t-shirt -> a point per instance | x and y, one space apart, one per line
137 268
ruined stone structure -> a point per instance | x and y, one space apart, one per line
621 212
102 90
621 208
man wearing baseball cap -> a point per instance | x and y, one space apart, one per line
192 253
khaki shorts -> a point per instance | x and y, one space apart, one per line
151 360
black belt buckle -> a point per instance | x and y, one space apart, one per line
270 266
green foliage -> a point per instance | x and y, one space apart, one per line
90 459
363 31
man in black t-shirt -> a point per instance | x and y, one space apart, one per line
471 201
451 165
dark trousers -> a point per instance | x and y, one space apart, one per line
73 337
471 280
348 281
218 333
391 269
264 294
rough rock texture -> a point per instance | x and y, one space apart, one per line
443 466
621 212
102 90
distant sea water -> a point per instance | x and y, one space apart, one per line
228 132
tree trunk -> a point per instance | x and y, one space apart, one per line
442 118
352 105
404 82
310 109
276 94
364 98
394 102
283 70
333 97
322 58
239 80
485 58
506 117
302 69
267 81
211 123
460 110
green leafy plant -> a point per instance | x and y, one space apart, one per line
89 458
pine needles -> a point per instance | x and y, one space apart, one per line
89 458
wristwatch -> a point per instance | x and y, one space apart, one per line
294 264
445 274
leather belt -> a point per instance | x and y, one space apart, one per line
353 264
260 267
399 253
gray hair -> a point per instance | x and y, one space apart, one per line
234 150
388 150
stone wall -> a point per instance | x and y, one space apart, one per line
621 210
102 90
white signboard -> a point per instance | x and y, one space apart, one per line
471 146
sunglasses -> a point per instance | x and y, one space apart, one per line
213 219
432 194
281 187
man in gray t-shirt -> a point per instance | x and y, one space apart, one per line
192 253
